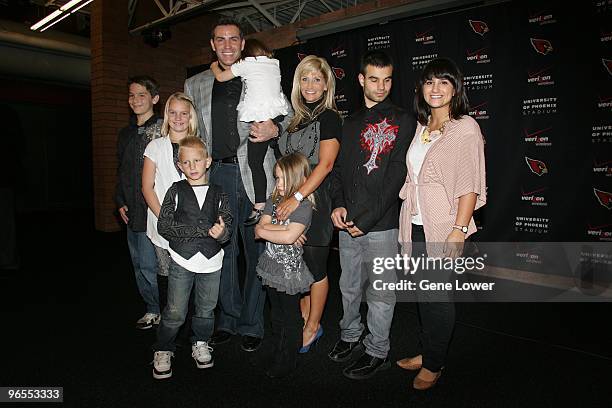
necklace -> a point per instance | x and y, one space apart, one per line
426 136
301 144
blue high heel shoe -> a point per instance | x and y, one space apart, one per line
306 348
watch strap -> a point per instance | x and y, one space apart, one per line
462 228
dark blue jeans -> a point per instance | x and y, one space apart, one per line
239 313
144 261
205 293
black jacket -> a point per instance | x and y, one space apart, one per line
131 144
371 166
186 226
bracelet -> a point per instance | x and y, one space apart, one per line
298 196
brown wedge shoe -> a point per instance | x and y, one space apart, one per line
411 363
422 385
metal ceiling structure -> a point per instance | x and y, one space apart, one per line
255 15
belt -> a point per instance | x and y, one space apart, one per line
232 159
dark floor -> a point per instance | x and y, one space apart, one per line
68 320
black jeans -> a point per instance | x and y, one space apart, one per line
286 321
437 319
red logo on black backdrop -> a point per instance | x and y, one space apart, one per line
480 56
338 52
338 72
301 56
608 64
536 166
601 231
534 197
602 168
540 77
424 37
541 46
479 27
478 111
603 197
604 102
542 18
538 137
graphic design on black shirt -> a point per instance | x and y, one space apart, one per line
378 138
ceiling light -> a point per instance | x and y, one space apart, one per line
58 15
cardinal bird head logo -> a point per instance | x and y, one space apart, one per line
608 64
301 56
541 46
604 198
338 72
536 166
479 27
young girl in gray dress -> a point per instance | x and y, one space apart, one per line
282 269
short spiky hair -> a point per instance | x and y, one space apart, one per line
193 142
226 21
146 81
375 58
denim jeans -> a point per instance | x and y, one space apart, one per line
144 261
206 291
356 256
239 313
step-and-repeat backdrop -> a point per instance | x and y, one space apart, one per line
539 80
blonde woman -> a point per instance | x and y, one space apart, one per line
315 131
161 169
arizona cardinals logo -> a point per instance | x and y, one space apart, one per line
604 198
479 27
338 72
301 56
536 166
378 138
541 46
608 64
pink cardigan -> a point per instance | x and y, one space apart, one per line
453 166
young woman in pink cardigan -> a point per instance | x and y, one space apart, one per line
444 185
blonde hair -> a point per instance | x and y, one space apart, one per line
192 130
193 142
302 114
295 169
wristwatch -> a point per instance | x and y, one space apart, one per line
298 196
461 228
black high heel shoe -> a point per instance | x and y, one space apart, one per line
254 218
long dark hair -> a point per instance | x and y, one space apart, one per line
441 68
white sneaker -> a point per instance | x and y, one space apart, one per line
147 321
162 364
201 354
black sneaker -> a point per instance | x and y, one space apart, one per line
343 350
365 367
250 343
219 337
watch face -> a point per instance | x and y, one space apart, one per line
464 229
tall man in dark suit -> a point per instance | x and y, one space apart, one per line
227 138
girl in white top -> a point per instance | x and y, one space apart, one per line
161 165
263 100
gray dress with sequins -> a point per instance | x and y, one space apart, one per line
281 266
